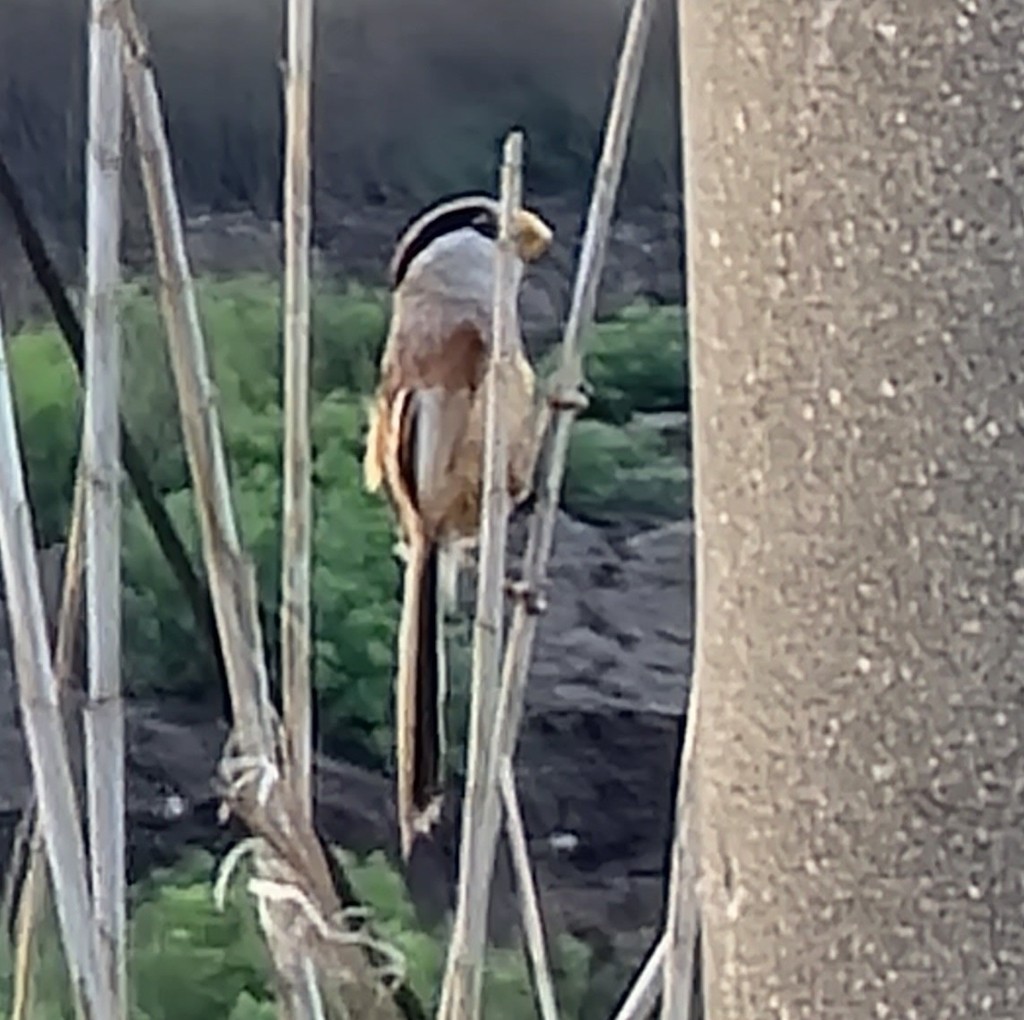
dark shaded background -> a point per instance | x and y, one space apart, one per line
411 100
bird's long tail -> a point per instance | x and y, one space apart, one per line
420 696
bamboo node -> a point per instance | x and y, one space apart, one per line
135 41
239 771
307 923
533 600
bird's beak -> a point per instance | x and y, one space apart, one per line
533 235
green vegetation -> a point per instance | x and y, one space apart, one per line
628 458
625 464
507 991
191 961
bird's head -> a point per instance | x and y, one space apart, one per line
481 213
532 235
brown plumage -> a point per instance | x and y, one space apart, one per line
425 446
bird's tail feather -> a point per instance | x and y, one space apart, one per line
420 696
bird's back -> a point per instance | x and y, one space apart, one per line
439 340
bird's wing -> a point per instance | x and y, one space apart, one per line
434 362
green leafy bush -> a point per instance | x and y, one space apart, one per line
188 960
48 405
507 985
349 326
636 362
354 579
355 583
624 473
159 643
248 1008
629 452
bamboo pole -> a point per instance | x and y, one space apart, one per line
643 994
296 545
683 912
463 983
40 707
27 913
672 975
33 891
197 399
566 402
529 901
299 908
683 924
567 399
104 714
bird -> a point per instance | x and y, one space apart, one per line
424 447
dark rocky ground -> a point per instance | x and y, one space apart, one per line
596 757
